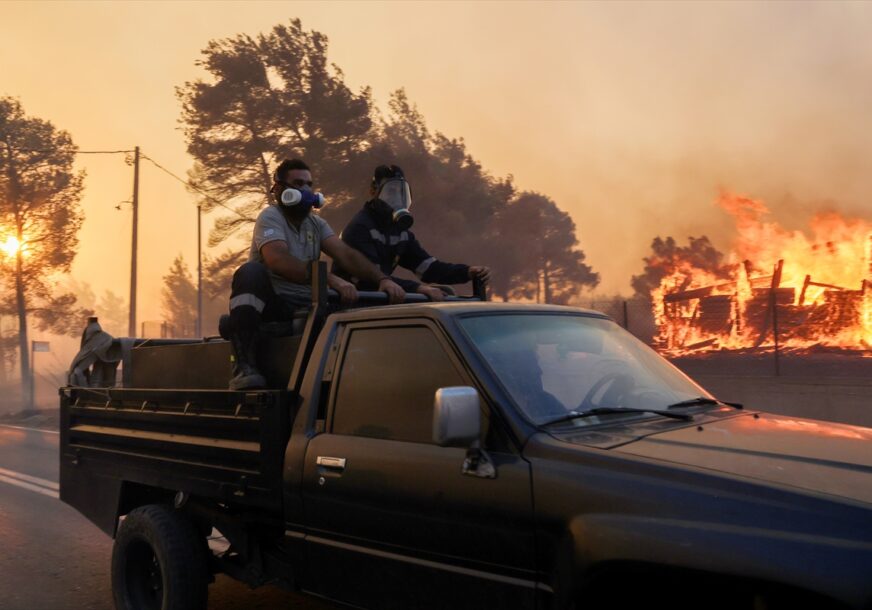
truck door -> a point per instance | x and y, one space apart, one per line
392 521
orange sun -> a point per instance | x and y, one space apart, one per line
10 247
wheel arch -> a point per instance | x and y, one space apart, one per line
597 549
618 583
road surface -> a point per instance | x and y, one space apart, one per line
52 558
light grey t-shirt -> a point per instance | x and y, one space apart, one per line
303 244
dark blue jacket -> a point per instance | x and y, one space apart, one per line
380 240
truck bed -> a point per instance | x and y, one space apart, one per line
224 445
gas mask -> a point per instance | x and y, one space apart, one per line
396 195
297 198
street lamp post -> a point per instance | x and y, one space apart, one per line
199 330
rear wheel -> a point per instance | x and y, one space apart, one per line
158 562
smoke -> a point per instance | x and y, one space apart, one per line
770 102
630 116
635 116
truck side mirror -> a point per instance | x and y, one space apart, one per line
456 417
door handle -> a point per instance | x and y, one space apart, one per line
333 463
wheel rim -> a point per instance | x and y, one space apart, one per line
143 576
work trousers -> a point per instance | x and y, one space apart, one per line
253 300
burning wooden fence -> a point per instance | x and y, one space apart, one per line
753 311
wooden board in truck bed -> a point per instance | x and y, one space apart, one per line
206 364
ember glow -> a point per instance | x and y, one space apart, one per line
814 287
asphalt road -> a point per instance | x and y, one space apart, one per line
52 558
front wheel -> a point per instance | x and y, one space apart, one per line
158 562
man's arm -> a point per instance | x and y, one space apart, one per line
359 266
357 236
431 270
279 260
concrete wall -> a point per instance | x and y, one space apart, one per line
828 398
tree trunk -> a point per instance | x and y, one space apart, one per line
2 357
24 353
14 195
264 169
546 284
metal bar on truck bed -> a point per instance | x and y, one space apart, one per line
167 437
372 297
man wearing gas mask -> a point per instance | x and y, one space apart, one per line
276 279
381 232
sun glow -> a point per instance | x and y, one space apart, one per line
10 247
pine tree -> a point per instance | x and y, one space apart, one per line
542 259
179 299
665 257
268 98
40 218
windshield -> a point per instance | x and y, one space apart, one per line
554 364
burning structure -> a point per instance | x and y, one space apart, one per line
779 288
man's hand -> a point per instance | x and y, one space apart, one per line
347 291
432 292
359 266
395 293
482 273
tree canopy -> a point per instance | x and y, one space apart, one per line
540 252
179 299
269 97
40 217
179 294
666 255
110 308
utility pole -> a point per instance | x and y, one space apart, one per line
199 330
131 327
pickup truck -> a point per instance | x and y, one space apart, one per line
465 454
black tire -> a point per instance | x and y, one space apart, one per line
158 562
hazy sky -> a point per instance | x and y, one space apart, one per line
631 116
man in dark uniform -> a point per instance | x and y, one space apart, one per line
381 232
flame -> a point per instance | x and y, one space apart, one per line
814 286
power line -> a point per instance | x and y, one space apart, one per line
156 164
103 152
78 152
193 188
